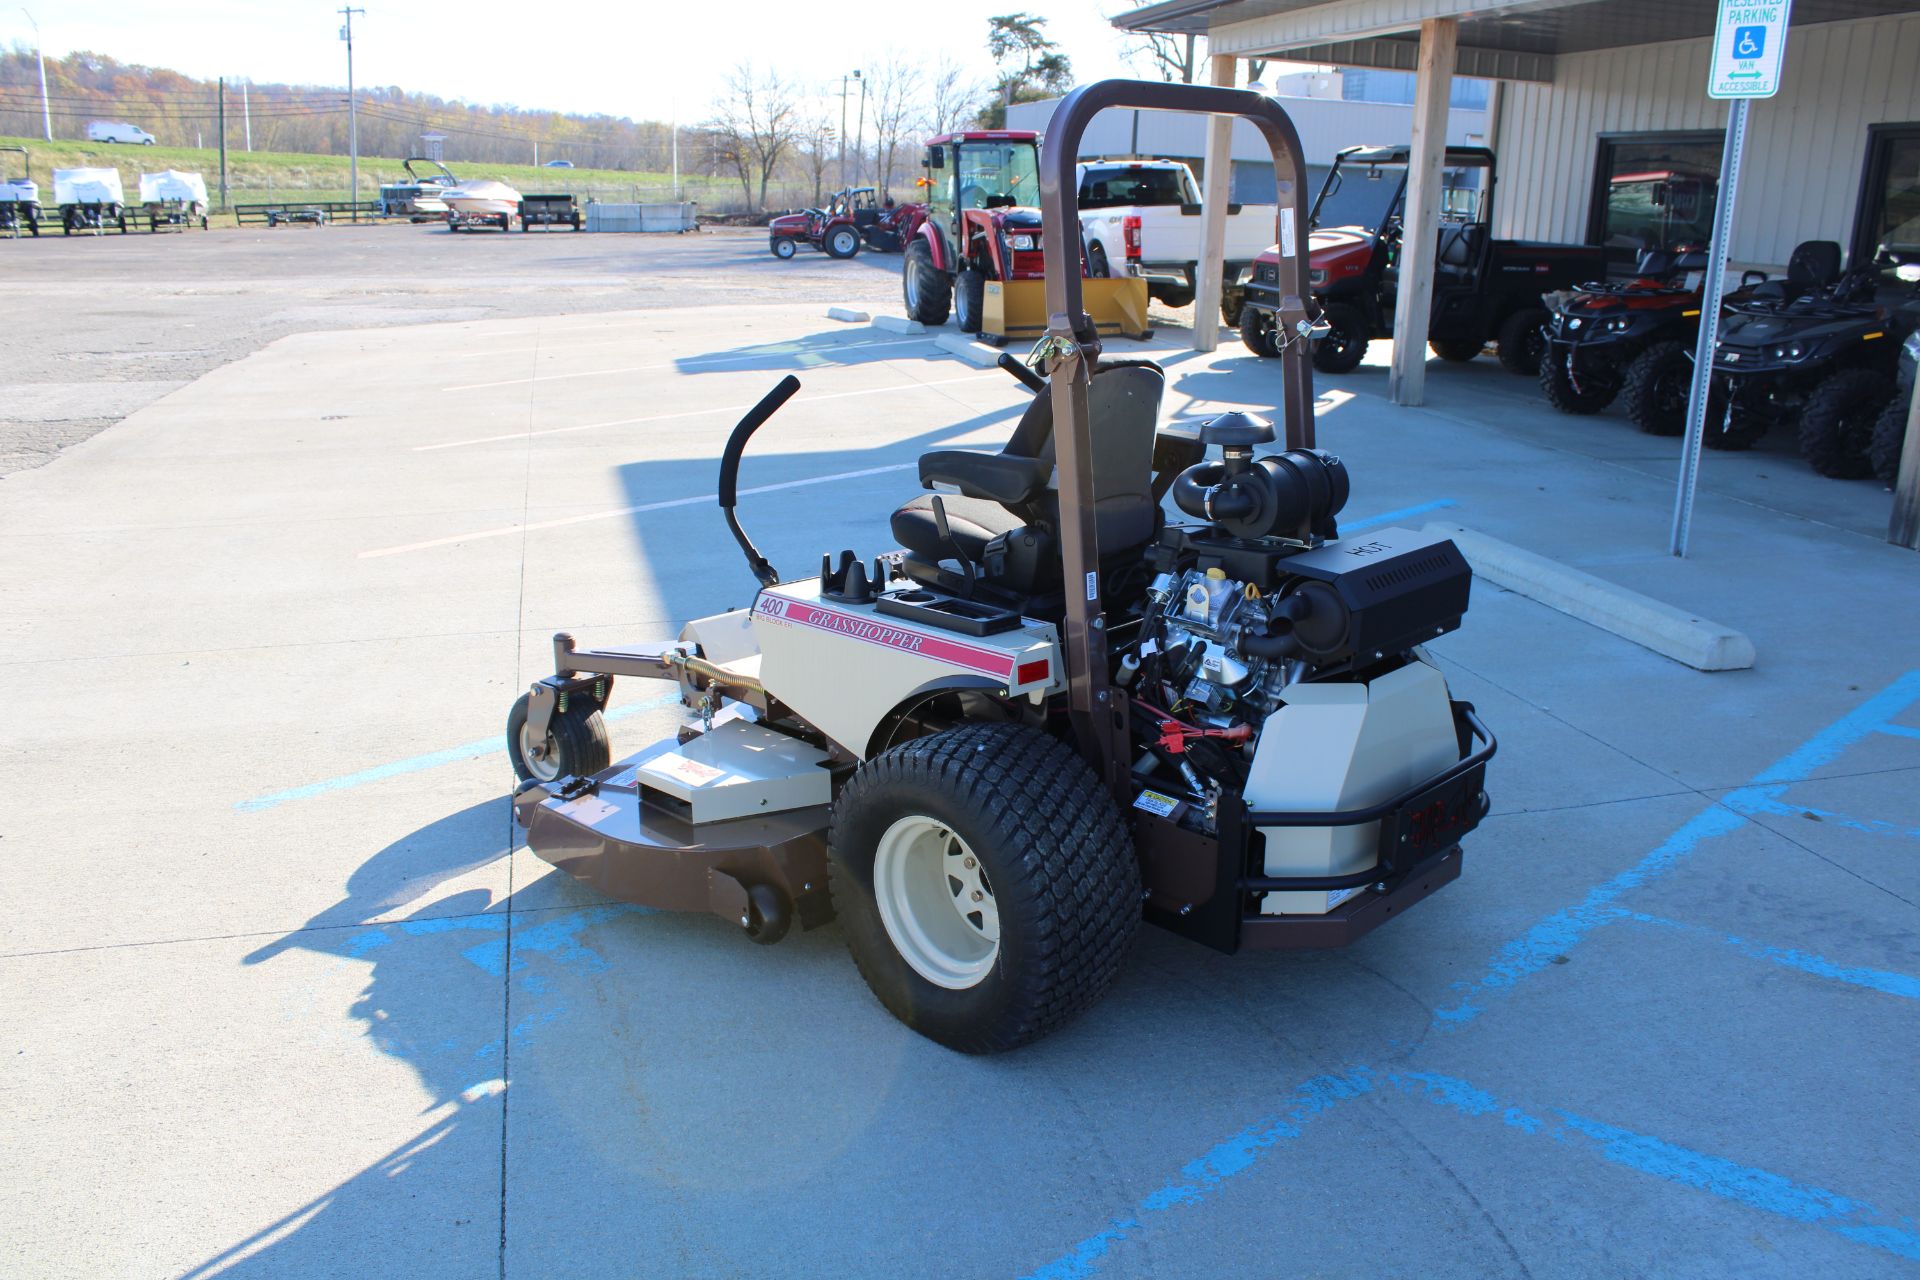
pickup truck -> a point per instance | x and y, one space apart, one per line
1142 218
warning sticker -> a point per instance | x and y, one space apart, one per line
692 772
1156 804
1337 896
1286 233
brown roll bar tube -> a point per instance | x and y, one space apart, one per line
1071 348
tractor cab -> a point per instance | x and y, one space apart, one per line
983 196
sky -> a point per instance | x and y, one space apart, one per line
650 59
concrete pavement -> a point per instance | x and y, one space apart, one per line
286 998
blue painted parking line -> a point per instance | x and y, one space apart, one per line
1537 948
1771 804
1883 980
1388 517
414 764
1529 954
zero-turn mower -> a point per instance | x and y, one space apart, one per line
1052 710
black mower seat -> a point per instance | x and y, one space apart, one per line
1013 489
973 522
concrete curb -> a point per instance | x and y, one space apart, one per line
848 314
898 324
1671 632
974 353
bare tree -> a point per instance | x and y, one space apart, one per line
815 142
953 96
757 118
1174 58
897 89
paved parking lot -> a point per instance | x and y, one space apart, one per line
287 998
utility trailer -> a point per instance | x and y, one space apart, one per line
173 199
555 210
20 198
90 200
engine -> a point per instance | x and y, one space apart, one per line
1266 597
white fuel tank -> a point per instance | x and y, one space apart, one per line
1337 746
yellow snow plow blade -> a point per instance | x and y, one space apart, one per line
1018 308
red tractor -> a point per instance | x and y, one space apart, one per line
852 218
982 223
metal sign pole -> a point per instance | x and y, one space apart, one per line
1710 296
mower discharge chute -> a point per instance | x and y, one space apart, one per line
1052 710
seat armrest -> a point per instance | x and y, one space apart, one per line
995 477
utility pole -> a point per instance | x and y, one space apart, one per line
246 113
353 115
40 53
223 142
859 131
843 130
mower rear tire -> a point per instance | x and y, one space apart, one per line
1889 440
1256 333
928 291
1345 344
1556 382
842 242
1657 387
1522 344
986 882
577 745
1836 426
969 300
1455 350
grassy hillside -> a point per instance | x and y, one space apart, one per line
261 176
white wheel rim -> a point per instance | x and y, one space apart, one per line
539 768
936 903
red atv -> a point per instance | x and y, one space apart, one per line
982 223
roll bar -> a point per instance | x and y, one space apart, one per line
1072 347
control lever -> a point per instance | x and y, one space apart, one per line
730 472
1023 375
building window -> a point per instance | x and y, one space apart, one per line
1653 191
1889 213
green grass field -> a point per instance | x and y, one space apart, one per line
267 176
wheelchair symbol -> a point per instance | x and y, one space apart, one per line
1749 41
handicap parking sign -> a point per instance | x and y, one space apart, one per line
1749 42
1749 38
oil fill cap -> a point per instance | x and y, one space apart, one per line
1217 574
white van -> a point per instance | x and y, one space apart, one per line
110 131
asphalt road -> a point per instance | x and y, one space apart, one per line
285 997
116 322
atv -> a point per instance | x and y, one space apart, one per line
1890 430
1484 289
1819 346
1051 711
1633 338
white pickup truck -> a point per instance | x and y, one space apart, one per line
1142 218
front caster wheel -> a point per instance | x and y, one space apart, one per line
986 882
576 745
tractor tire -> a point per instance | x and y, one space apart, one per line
1836 426
1345 344
986 882
1256 333
1098 268
1455 350
842 242
1657 386
1889 439
577 739
969 300
782 247
1521 343
1730 432
928 291
1558 386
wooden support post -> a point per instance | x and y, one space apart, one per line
1903 530
1215 186
1419 237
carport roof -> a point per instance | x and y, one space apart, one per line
1516 40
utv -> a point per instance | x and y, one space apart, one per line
1819 346
1631 339
1483 289
990 752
